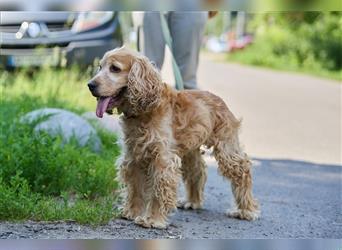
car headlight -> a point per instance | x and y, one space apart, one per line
89 20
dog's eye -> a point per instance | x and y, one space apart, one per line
99 68
114 69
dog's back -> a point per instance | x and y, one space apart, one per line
201 118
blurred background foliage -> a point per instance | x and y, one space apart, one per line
301 41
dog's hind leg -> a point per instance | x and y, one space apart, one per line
235 165
194 174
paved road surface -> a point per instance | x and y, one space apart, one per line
287 118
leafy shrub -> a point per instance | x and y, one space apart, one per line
309 42
51 167
42 178
326 40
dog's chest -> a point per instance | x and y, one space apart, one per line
147 140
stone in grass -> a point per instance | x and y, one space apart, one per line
110 123
65 123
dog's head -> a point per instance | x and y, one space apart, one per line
126 79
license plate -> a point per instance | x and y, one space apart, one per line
32 60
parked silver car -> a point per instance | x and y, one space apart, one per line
57 38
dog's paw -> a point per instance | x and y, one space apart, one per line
183 204
243 214
150 223
128 215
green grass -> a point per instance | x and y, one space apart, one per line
260 56
18 202
40 177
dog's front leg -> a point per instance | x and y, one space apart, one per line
161 192
134 180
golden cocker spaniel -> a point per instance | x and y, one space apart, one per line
163 132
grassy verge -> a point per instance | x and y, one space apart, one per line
41 179
261 57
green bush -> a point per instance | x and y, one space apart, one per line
51 167
325 37
305 42
38 171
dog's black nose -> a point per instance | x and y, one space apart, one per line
91 85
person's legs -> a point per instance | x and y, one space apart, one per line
153 43
187 29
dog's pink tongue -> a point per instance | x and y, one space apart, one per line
102 105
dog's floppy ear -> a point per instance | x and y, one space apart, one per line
144 85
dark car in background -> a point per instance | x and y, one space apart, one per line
57 38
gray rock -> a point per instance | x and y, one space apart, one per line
65 123
110 123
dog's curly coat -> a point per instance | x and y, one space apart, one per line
164 130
